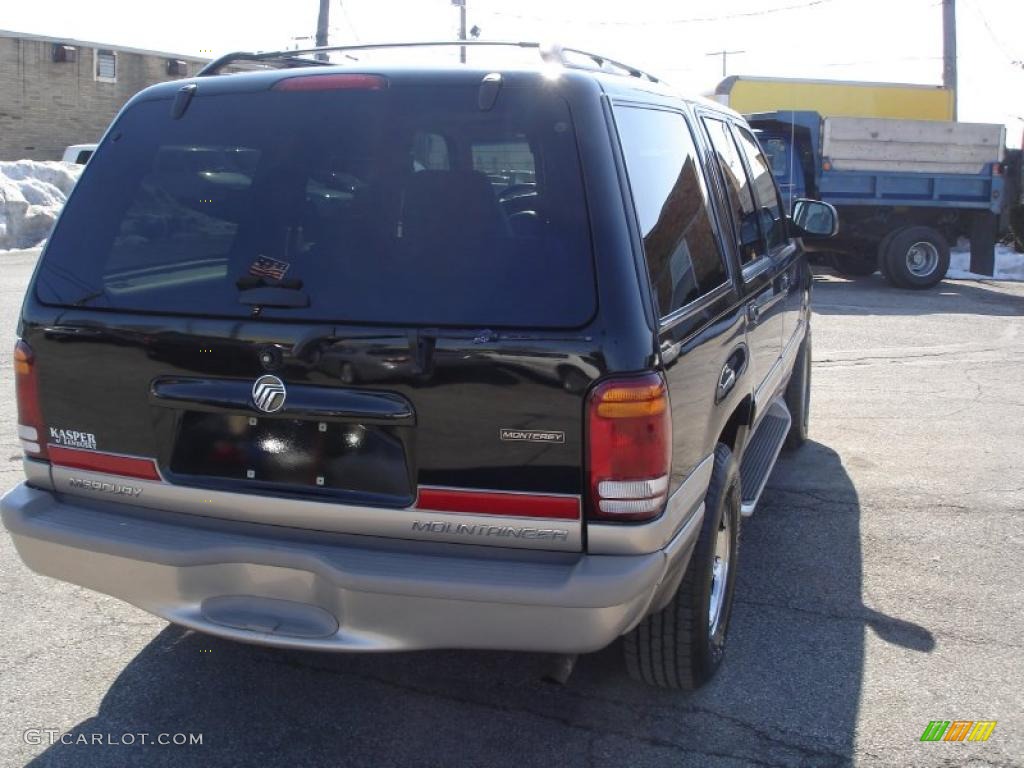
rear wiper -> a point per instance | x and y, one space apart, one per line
87 298
246 282
260 292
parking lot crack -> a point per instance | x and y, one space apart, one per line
902 357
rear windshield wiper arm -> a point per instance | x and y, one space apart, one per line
88 297
246 282
260 292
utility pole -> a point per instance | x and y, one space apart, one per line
949 49
725 57
322 23
462 27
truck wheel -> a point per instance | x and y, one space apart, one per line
682 645
883 249
854 264
917 257
798 395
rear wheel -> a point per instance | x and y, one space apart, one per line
682 645
917 257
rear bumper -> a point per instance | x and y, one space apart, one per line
259 584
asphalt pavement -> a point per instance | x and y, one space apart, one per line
880 588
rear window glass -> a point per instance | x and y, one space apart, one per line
406 205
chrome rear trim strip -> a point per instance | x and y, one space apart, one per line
409 523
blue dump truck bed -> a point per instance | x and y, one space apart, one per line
981 191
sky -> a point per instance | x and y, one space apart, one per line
885 40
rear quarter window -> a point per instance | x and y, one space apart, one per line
670 195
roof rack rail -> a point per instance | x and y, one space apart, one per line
550 53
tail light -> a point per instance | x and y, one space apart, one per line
31 429
630 448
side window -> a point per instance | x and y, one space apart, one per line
671 197
773 224
741 199
506 164
778 155
430 152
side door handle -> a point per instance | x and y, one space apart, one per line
730 374
726 382
753 313
784 282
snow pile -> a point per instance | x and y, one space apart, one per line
31 196
1009 263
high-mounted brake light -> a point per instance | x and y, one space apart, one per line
630 448
31 430
343 82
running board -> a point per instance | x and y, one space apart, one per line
761 453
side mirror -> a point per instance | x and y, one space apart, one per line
813 218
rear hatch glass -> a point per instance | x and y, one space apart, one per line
404 205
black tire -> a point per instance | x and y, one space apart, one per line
675 647
798 395
925 245
883 247
854 264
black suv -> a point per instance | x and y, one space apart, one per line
382 358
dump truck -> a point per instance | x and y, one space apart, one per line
905 189
907 179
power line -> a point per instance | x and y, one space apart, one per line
725 58
992 34
662 22
348 20
887 60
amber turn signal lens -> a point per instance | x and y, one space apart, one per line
632 402
23 358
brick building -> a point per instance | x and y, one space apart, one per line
55 92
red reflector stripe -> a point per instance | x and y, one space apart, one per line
331 83
497 503
128 466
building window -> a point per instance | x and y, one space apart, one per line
106 66
64 54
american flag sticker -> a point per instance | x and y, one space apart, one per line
265 266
